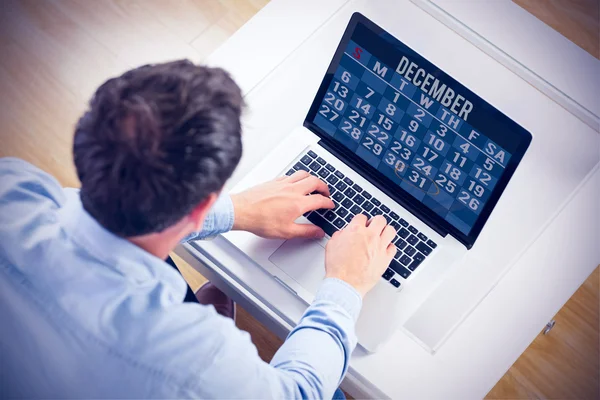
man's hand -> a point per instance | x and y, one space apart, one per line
360 253
269 210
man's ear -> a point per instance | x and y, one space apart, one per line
199 212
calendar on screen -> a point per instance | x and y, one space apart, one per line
424 131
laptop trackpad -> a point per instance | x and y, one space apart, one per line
303 260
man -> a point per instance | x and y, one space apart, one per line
89 308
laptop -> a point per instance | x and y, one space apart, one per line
391 134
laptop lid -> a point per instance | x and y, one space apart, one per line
423 138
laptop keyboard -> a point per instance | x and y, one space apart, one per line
350 199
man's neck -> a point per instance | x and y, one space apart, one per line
157 244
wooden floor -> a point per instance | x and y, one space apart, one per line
54 53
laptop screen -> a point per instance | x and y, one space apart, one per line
426 133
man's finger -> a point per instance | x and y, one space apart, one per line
388 235
297 176
359 219
312 184
391 251
315 202
308 231
377 223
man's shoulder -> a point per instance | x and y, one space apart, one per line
21 181
29 200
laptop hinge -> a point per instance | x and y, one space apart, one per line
381 185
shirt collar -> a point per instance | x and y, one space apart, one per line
117 253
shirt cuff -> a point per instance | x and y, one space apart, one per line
219 219
341 293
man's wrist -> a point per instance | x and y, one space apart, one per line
239 217
359 289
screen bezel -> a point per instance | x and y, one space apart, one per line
404 198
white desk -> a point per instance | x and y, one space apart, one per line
532 284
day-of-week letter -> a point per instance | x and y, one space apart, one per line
491 148
380 69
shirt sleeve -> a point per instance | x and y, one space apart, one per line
310 364
317 352
219 219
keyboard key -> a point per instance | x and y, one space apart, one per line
306 160
412 239
349 217
395 225
332 179
341 186
315 166
341 211
322 223
388 274
405 260
403 233
410 251
321 161
323 173
431 244
417 260
330 216
403 222
375 201
290 172
338 196
339 174
423 248
358 199
312 154
301 166
400 243
403 272
347 203
385 208
395 283
368 215
348 181
322 211
357 188
367 195
331 189
356 209
394 216
412 229
419 257
422 237
398 255
376 211
387 218
350 192
330 168
368 205
340 223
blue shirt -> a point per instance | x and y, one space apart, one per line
86 314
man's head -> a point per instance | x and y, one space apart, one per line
155 143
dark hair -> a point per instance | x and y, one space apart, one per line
155 142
